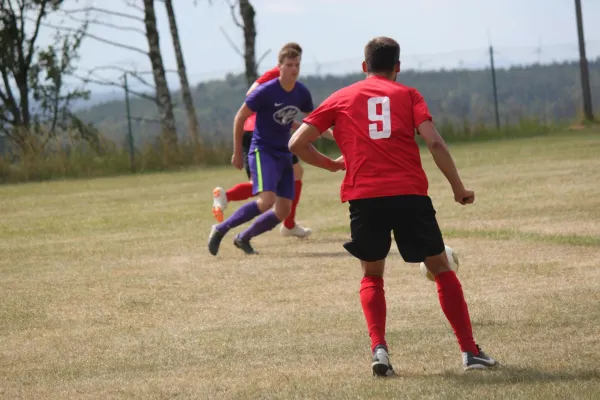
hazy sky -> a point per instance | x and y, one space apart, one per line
431 33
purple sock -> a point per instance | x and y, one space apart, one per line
264 223
243 214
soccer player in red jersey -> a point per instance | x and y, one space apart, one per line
374 126
243 191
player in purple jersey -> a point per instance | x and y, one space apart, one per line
276 104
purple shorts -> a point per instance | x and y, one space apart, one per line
272 172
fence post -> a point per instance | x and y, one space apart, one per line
129 131
493 68
583 66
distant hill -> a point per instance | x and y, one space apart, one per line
550 92
98 97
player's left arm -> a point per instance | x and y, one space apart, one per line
301 145
301 141
306 110
328 134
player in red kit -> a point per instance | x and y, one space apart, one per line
387 190
243 191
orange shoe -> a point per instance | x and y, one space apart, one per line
219 203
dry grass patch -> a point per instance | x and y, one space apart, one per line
108 290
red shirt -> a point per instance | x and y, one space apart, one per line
264 78
374 126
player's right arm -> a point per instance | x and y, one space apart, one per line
251 105
266 77
238 133
443 159
251 88
438 148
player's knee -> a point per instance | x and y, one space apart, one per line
437 264
373 268
298 172
282 214
265 201
282 210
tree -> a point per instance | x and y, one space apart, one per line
35 97
248 27
96 16
186 93
247 13
163 96
583 65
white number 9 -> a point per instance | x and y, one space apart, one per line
383 117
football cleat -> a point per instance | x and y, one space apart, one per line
219 203
479 361
244 245
214 240
381 362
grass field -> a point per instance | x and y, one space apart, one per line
107 290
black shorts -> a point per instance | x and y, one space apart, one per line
246 141
410 217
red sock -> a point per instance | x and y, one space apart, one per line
454 306
372 298
290 221
240 192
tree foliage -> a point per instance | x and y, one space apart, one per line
35 93
550 93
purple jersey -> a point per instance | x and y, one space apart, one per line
275 110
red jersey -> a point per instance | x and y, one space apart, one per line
264 78
374 126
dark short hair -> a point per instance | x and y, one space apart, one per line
381 54
292 45
287 53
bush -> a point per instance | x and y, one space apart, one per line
67 157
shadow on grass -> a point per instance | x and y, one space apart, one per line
513 374
332 240
319 254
